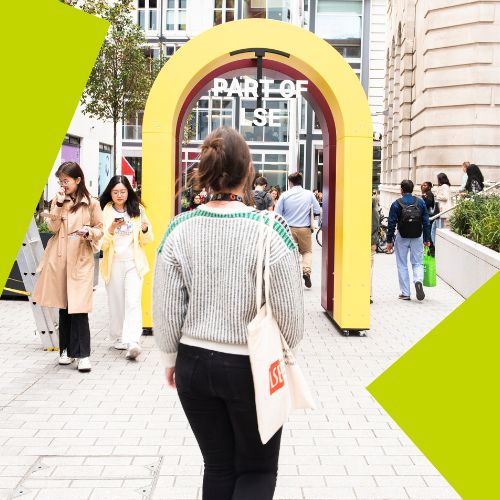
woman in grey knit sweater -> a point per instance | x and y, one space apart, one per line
203 300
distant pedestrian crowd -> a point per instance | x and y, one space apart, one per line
413 221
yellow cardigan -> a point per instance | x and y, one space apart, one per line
140 239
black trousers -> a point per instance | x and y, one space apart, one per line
74 334
217 393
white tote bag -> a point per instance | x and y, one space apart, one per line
279 383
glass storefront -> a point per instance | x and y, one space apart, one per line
273 166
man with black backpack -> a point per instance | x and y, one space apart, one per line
262 199
410 215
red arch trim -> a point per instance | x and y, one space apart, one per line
329 157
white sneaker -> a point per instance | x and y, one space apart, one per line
133 350
121 346
84 365
64 359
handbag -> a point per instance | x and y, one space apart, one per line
429 268
435 209
279 384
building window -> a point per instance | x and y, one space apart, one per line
266 133
70 150
147 14
318 165
270 9
105 169
132 128
349 51
224 11
340 20
211 113
302 158
175 15
190 160
71 140
302 115
273 166
170 51
306 14
317 124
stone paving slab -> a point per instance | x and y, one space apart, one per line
117 432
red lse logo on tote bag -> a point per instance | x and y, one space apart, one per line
276 380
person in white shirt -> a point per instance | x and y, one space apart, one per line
124 265
295 207
465 166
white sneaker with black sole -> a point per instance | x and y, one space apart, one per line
64 359
84 365
133 350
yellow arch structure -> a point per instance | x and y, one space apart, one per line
340 87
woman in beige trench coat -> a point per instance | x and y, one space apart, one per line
67 268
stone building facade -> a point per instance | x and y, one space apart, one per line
442 91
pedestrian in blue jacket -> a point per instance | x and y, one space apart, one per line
409 214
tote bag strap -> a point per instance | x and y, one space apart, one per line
263 259
260 263
267 266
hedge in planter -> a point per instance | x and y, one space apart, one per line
478 218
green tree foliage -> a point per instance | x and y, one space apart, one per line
124 71
120 80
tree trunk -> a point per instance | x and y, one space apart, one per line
114 147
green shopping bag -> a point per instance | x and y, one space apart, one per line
429 268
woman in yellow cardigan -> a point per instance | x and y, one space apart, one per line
124 264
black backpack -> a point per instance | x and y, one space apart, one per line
261 200
410 220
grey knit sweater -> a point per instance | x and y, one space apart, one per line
205 275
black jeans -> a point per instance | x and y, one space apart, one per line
74 334
217 394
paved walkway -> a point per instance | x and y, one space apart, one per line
117 432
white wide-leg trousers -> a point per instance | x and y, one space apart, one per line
124 298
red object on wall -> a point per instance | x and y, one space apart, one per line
128 171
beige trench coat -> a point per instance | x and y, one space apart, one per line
67 268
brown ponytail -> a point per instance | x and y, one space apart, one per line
225 162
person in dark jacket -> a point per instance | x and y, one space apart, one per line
432 207
409 214
428 196
375 237
475 179
262 199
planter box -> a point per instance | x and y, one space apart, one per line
463 264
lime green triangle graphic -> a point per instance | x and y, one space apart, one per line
444 394
48 50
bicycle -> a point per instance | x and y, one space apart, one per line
319 240
382 232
